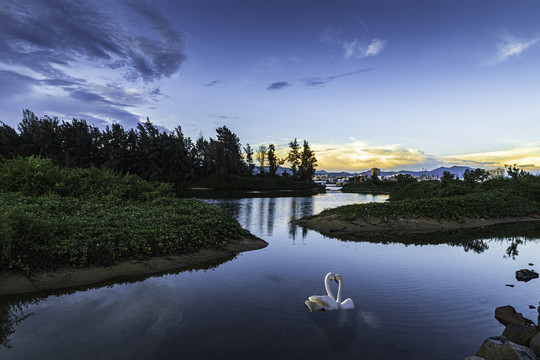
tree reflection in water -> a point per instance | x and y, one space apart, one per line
512 250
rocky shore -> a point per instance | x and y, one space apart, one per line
16 283
520 339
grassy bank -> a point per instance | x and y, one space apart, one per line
495 198
51 217
491 204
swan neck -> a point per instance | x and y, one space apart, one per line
327 287
339 294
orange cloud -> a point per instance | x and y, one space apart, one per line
358 155
527 158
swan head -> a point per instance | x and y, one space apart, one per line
338 278
330 275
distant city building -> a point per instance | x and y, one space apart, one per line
496 173
375 172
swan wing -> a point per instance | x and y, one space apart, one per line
325 301
322 300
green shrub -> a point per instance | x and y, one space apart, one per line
51 231
492 204
34 176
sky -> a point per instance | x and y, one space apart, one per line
397 84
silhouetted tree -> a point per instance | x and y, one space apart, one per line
293 157
472 177
404 179
447 178
308 162
273 160
249 158
229 152
514 172
9 141
261 158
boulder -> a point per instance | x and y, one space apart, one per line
500 348
526 275
504 314
535 344
520 334
474 358
507 314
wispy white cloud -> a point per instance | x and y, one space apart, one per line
353 48
223 117
510 47
375 47
358 49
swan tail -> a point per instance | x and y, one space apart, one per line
347 304
313 306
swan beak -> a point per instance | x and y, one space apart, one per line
336 280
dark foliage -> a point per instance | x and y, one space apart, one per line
146 151
53 217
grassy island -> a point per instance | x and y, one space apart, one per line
53 217
433 205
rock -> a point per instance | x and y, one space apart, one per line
509 285
500 348
507 314
526 275
520 334
535 344
504 314
532 307
474 358
531 264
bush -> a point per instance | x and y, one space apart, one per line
35 176
51 231
492 204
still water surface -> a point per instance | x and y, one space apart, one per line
412 301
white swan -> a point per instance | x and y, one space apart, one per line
347 303
329 302
323 302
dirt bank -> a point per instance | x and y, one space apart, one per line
333 224
71 277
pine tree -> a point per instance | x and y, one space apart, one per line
293 157
261 158
273 161
308 162
249 158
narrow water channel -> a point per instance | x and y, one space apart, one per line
419 298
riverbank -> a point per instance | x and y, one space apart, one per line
333 224
17 283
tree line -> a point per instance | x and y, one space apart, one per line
148 152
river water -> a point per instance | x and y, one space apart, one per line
416 298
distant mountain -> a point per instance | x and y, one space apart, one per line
456 170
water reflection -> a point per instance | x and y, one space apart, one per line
475 240
338 328
265 213
13 308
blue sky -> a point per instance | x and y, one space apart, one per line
389 84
